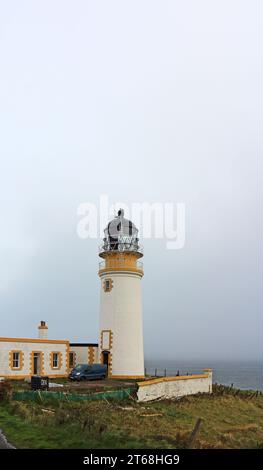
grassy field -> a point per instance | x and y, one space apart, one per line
229 420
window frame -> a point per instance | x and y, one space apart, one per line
55 360
73 363
107 284
16 359
19 360
59 360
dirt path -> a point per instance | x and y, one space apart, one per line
3 442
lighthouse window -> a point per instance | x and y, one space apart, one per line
107 285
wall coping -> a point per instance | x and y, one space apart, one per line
33 340
172 379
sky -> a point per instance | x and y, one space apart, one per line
144 101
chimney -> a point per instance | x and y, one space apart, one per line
42 330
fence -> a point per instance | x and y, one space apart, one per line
41 395
160 372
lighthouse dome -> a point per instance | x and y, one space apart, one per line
120 226
120 234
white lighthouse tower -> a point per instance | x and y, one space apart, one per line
121 337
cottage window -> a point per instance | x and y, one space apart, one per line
55 360
16 360
71 359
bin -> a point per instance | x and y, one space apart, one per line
39 382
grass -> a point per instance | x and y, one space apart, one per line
229 420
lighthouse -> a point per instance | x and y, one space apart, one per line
120 272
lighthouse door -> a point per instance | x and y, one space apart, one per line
105 359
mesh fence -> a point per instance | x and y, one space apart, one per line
36 395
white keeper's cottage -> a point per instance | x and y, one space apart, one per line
21 358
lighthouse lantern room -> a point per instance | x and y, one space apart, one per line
121 334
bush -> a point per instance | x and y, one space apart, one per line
5 390
22 409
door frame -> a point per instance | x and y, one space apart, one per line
41 362
107 353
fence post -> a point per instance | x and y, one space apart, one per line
194 433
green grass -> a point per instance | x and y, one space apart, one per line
48 434
228 421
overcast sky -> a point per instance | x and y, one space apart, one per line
143 100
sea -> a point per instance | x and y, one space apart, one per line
246 375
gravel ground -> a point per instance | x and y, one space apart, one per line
90 384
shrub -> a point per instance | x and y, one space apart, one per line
5 390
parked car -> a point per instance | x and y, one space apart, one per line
88 372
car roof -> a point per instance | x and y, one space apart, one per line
90 365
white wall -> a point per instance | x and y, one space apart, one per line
82 354
172 387
46 347
121 312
